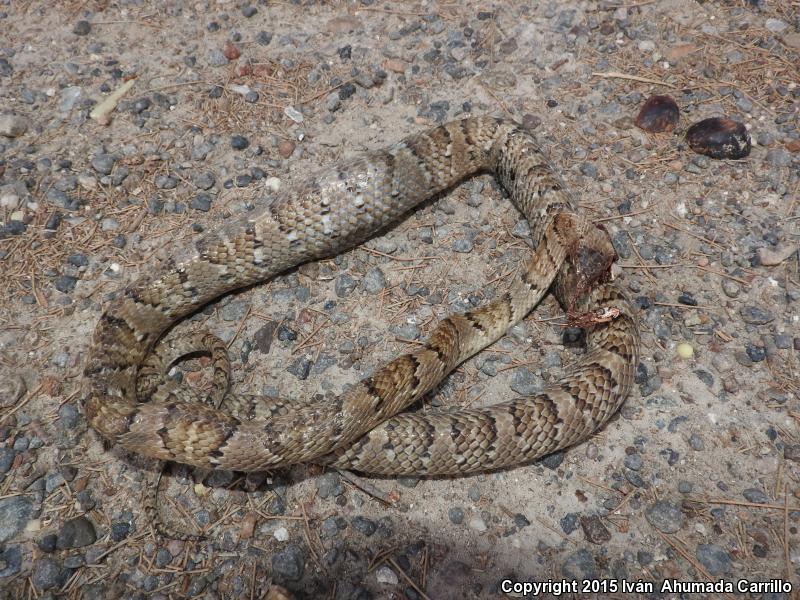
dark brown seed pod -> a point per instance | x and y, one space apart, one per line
659 113
719 137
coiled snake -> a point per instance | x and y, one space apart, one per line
361 429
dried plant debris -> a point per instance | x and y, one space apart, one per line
658 115
719 137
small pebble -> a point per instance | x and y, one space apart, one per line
364 526
344 285
684 350
205 180
231 51
665 516
329 485
76 533
201 201
477 524
239 142
756 315
456 515
696 442
65 283
594 530
47 573
374 281
103 163
755 495
163 558
300 368
13 126
756 353
580 565
286 148
82 28
714 558
385 575
14 514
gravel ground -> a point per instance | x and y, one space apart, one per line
696 479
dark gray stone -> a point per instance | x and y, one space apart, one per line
329 485
205 180
755 495
634 462
216 58
289 563
47 573
197 585
7 456
463 245
103 163
715 559
82 28
664 516
300 368
14 515
239 142
166 182
201 202
364 525
756 315
10 561
69 416
163 558
525 382
344 285
456 515
580 565
374 281
264 336
569 522
65 283
553 461
76 533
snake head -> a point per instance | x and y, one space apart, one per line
588 265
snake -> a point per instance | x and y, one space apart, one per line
369 427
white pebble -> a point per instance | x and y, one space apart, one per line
281 534
239 89
87 182
294 114
776 25
12 125
477 524
9 200
385 575
685 350
272 183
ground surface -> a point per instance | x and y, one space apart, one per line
696 479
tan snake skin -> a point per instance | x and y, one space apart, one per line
331 212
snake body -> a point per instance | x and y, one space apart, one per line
361 429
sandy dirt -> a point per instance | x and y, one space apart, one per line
696 479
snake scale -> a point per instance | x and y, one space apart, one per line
361 429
